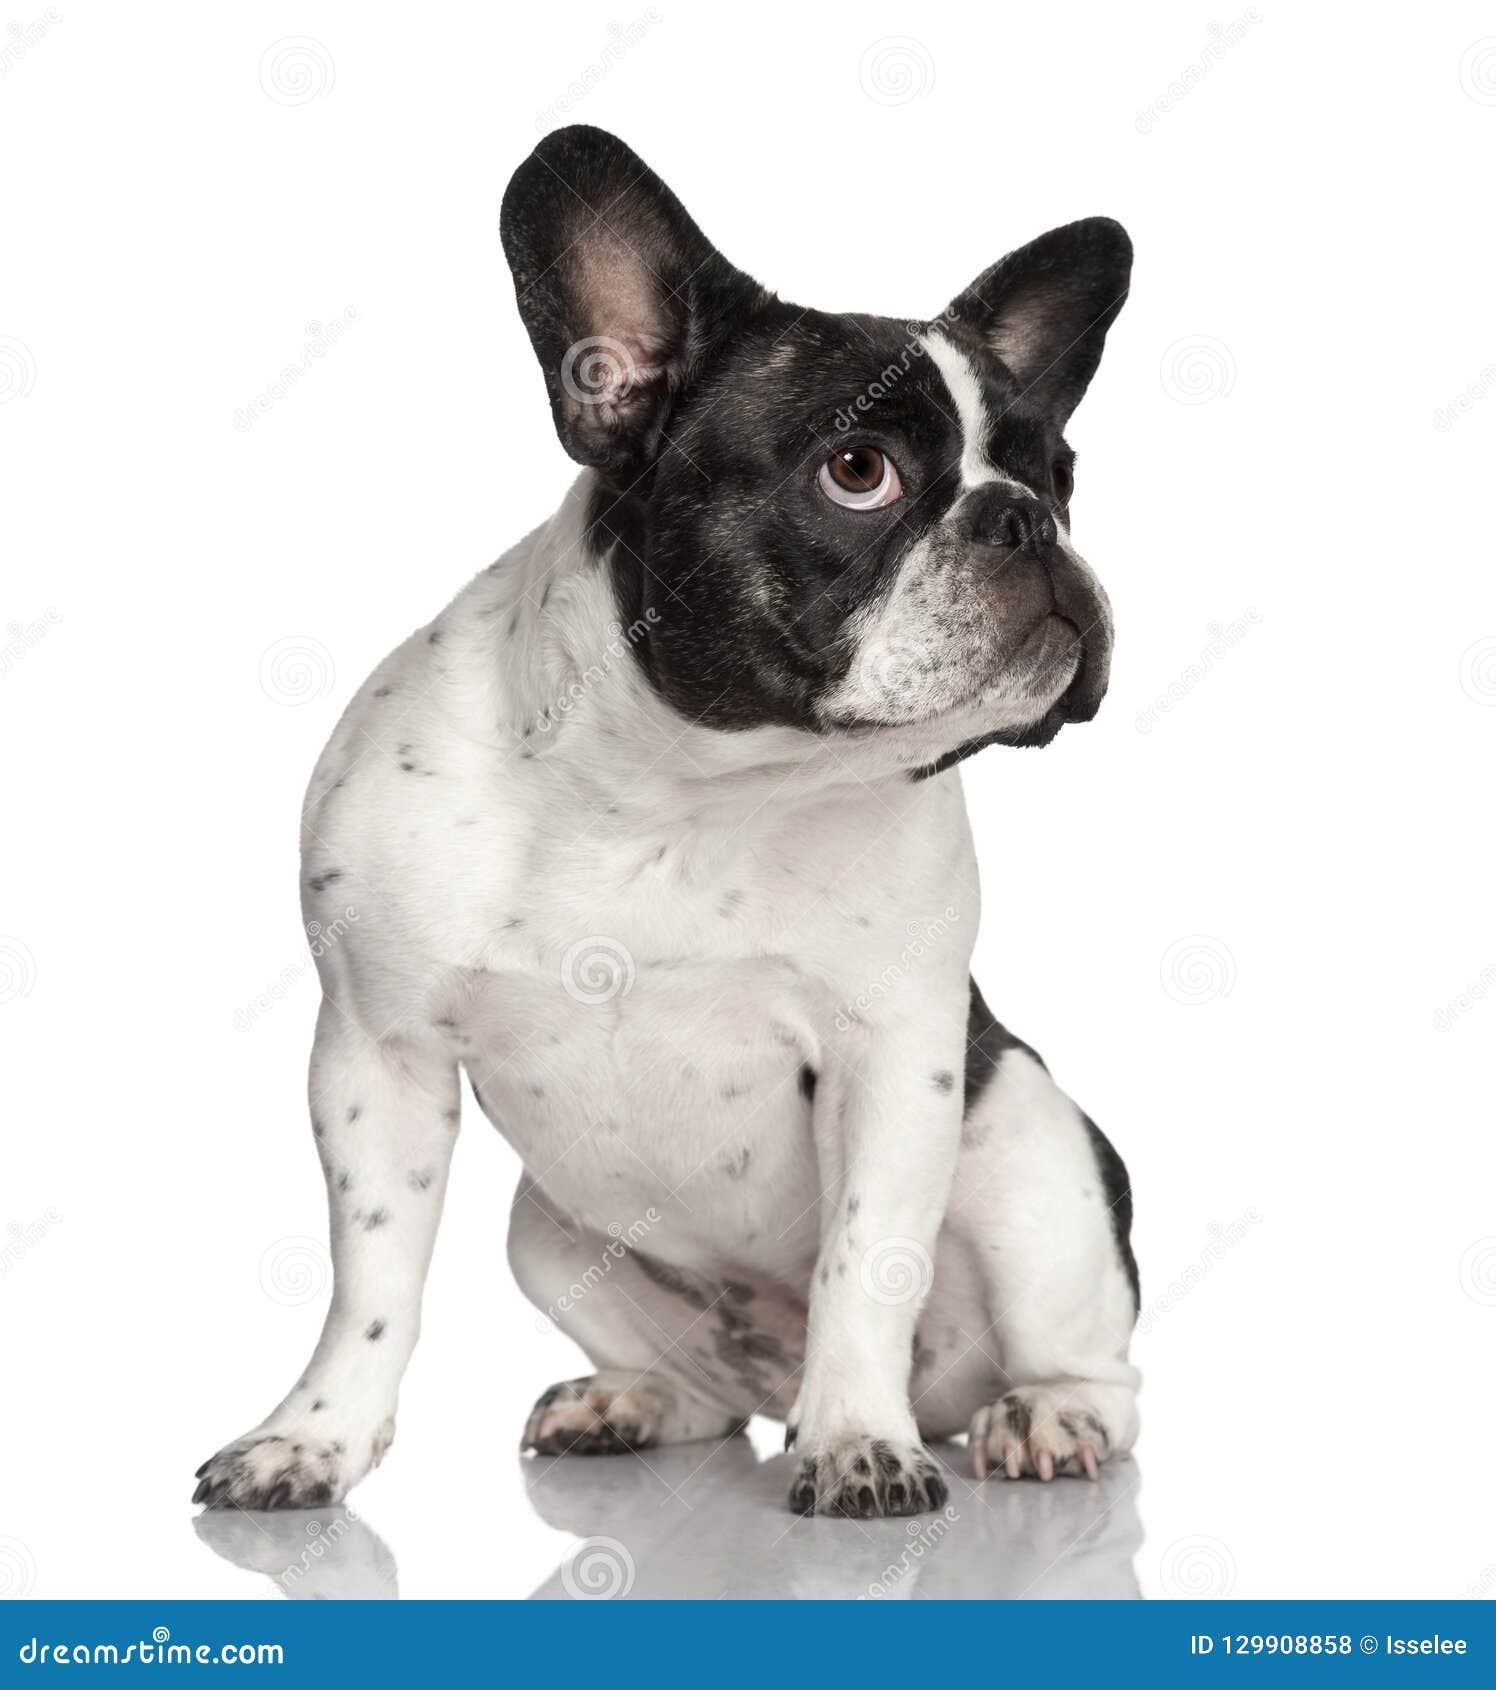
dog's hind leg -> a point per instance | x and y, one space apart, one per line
385 1117
666 1347
1039 1222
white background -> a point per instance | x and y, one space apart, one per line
1251 932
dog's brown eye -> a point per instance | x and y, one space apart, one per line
1062 477
860 478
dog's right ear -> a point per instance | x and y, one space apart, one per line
622 295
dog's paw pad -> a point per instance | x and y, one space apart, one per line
863 1478
1038 1431
581 1417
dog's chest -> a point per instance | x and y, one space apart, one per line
652 1051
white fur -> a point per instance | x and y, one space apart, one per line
634 933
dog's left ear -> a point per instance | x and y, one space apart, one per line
1045 309
622 295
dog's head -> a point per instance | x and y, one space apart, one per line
842 523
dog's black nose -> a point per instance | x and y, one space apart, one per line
1005 517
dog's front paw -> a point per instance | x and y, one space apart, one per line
1040 1430
295 1468
864 1477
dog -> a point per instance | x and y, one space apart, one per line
657 833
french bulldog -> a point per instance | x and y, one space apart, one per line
657 833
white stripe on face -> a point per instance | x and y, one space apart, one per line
971 411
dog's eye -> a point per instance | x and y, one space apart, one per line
861 478
1062 478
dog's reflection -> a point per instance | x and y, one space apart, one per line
699 1521
315 1555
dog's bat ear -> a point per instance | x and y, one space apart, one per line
1045 309
622 295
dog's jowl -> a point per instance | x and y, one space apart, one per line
656 833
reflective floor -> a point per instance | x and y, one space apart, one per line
704 1521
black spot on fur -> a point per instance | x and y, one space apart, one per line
807 1082
375 1218
383 692
419 1179
354 1111
319 1405
320 882
669 1279
944 1082
374 1331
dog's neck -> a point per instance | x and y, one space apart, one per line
549 659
